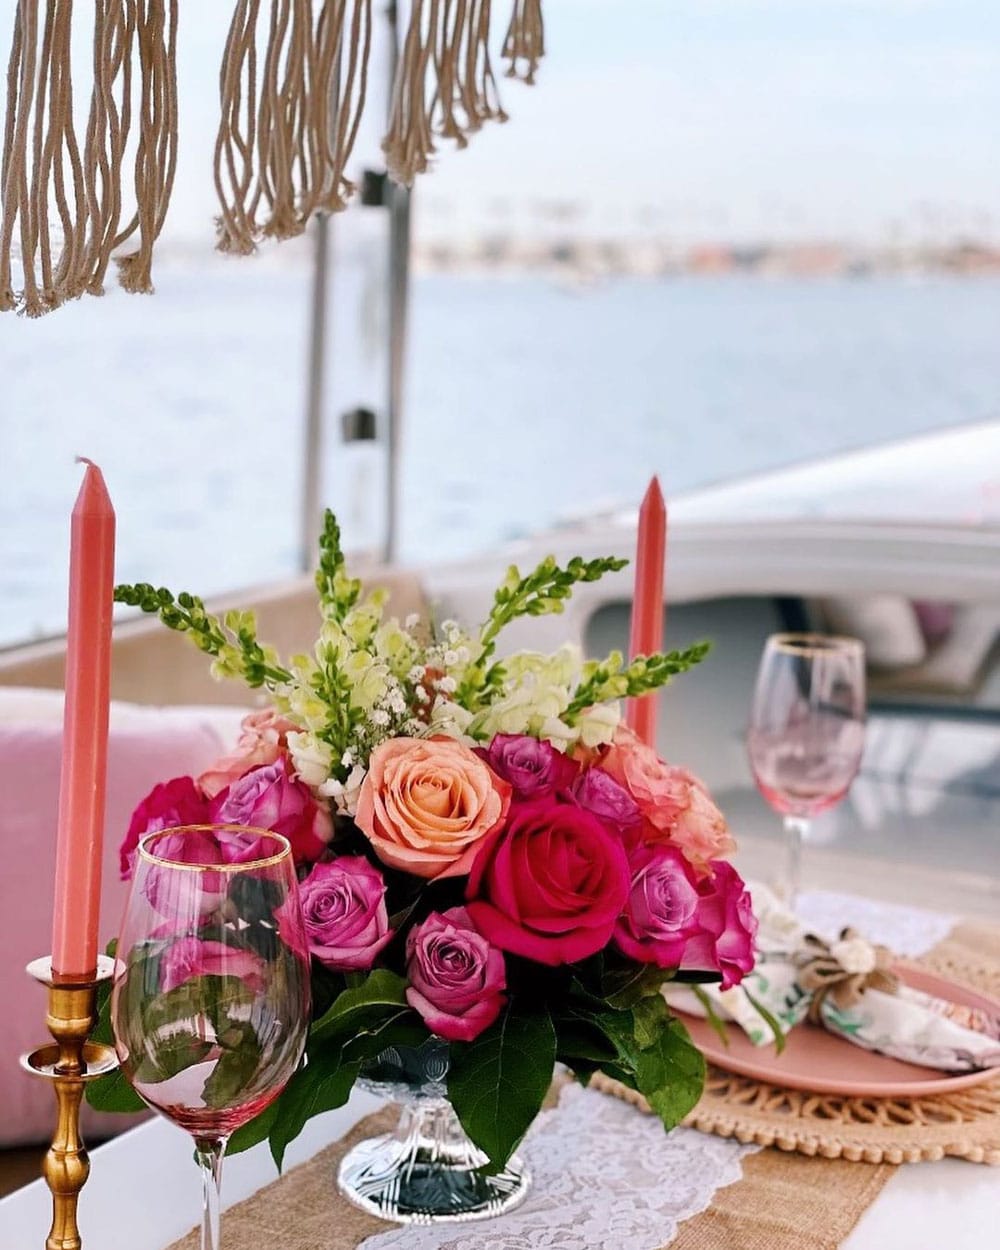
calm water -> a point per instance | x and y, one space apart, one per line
528 403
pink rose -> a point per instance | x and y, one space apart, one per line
661 915
532 767
728 926
675 918
675 805
600 794
190 957
343 906
456 977
272 798
172 803
551 885
262 741
427 804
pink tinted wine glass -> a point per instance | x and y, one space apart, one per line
210 1000
806 734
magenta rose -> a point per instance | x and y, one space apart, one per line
599 793
727 926
172 803
343 907
456 977
532 767
191 957
272 798
661 916
551 885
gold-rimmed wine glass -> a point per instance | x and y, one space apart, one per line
210 1000
806 733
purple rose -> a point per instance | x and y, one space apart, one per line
661 913
191 957
532 767
675 918
601 794
343 907
271 797
456 977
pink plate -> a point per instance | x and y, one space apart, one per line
822 1063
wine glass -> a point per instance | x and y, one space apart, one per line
806 733
210 1000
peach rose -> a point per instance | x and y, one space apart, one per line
261 742
676 806
426 804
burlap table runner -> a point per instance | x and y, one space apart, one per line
782 1202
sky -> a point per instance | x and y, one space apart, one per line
737 120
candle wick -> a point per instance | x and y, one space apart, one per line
85 460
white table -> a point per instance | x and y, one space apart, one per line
144 1193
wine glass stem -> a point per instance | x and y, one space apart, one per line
796 829
210 1154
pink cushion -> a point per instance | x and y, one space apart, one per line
146 745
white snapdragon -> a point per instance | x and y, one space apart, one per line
447 717
344 794
313 759
597 724
556 731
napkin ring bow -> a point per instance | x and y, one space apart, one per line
843 970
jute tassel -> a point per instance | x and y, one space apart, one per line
524 45
49 181
156 155
288 128
452 38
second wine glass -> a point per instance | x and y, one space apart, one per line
806 733
210 1002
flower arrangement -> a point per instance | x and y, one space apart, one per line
486 853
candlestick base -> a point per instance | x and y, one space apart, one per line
69 1063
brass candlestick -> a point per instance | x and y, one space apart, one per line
69 1064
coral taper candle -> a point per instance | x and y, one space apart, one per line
647 603
83 779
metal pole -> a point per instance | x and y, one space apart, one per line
312 465
398 203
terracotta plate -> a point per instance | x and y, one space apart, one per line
822 1063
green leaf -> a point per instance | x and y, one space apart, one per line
209 996
322 1085
667 1069
253 1132
670 1073
716 1022
362 1007
236 1069
113 1093
769 1020
498 1082
170 1056
624 988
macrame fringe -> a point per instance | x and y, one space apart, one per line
156 155
524 45
289 123
452 36
285 138
49 180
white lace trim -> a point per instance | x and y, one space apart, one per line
606 1177
908 931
